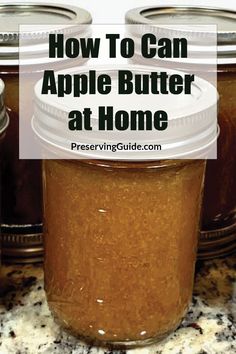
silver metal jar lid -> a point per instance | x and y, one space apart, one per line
61 16
185 15
196 113
4 119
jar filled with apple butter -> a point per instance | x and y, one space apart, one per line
21 203
4 122
121 234
218 236
120 244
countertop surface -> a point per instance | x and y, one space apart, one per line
27 326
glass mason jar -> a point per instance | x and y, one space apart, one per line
21 204
219 210
218 236
121 236
120 245
4 122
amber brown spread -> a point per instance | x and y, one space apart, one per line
121 246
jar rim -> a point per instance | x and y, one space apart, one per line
134 165
60 17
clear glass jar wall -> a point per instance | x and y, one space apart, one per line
219 207
21 179
4 123
121 243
